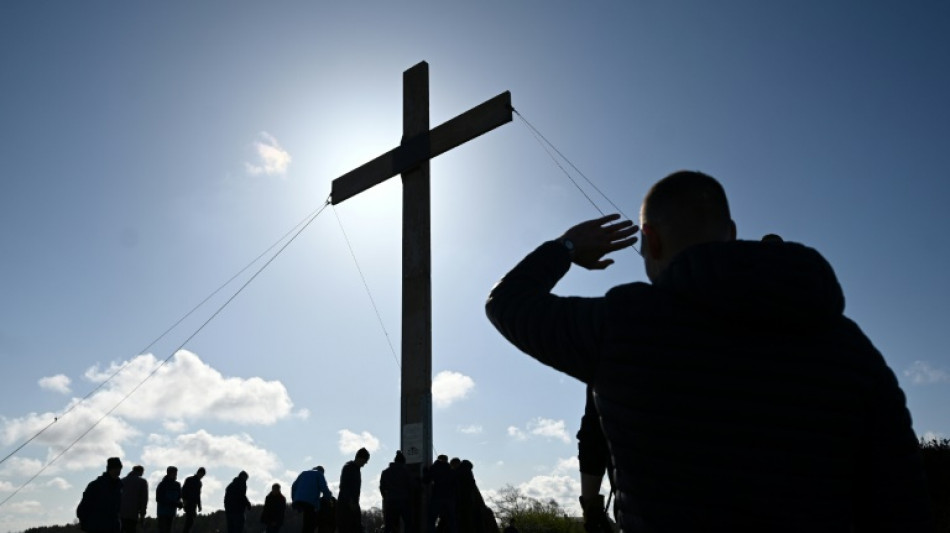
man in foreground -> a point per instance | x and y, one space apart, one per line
134 499
98 510
733 393
191 498
306 493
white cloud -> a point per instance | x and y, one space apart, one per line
191 390
30 507
302 414
563 489
20 467
546 427
59 483
448 387
922 373
6 486
472 429
569 465
174 426
57 383
351 442
272 160
932 435
516 433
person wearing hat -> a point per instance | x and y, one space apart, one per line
394 485
305 496
348 506
98 510
134 499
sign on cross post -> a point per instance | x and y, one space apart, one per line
411 159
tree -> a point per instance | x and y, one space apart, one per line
532 515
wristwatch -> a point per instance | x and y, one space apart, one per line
568 244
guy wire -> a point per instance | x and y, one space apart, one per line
160 337
548 147
180 347
366 286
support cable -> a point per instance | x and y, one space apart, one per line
149 346
181 346
551 150
366 286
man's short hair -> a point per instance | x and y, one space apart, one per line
171 470
362 452
689 205
201 471
139 469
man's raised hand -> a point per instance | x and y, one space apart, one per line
596 238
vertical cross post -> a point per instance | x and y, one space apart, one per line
416 405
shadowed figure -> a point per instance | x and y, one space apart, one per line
236 503
168 499
98 510
442 504
395 485
306 495
275 506
733 392
191 498
348 514
134 499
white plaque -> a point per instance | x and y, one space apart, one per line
412 439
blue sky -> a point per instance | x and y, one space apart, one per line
150 151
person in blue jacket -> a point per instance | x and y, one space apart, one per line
306 493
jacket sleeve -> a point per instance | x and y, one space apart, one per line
561 332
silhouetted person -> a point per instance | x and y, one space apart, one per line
275 505
442 505
733 392
98 510
134 499
236 503
348 514
191 498
395 484
593 457
306 493
168 499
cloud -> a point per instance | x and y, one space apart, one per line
186 388
932 435
59 483
448 387
563 489
272 160
351 442
20 467
30 507
174 426
472 429
546 427
541 427
515 432
57 383
921 373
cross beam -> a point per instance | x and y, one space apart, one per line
411 159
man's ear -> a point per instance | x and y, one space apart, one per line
652 243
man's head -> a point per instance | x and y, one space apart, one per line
243 475
275 487
400 458
171 472
682 209
201 472
113 466
138 469
362 456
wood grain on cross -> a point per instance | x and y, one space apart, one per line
411 159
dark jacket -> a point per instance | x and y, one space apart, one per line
350 481
99 507
395 482
235 496
134 496
443 481
168 497
733 393
275 505
191 491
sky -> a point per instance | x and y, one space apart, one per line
151 151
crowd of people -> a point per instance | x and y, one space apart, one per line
111 504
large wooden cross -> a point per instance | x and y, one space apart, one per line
411 159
